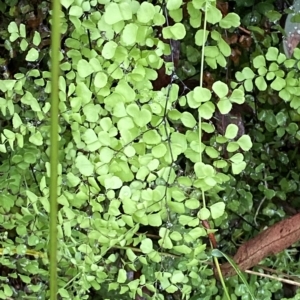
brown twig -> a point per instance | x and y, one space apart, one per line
291 282
244 30
211 236
269 242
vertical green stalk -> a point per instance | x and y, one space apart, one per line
207 4
203 46
201 84
55 47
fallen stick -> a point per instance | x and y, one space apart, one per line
269 242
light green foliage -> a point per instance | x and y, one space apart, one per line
121 148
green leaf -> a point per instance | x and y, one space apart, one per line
36 139
36 38
248 73
195 233
238 168
289 63
209 128
109 49
259 61
84 68
106 154
145 12
213 15
63 293
129 34
262 71
199 4
203 170
232 147
112 14
159 151
237 96
224 48
192 203
177 277
152 137
32 55
230 20
73 180
220 88
140 117
199 95
204 213
239 76
220 164
76 11
273 16
84 166
281 118
17 122
261 83
212 152
9 134
237 158
217 209
129 151
28 99
154 220
91 112
90 136
124 89
22 31
245 142
12 27
182 249
131 255
206 110
146 245
248 84
122 276
23 45
113 183
67 3
100 79
231 131
201 37
29 158
269 193
278 84
176 207
211 51
273 67
6 288
224 106
188 119
272 54
178 31
174 4
296 53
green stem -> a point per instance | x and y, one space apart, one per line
201 84
221 277
203 47
55 48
